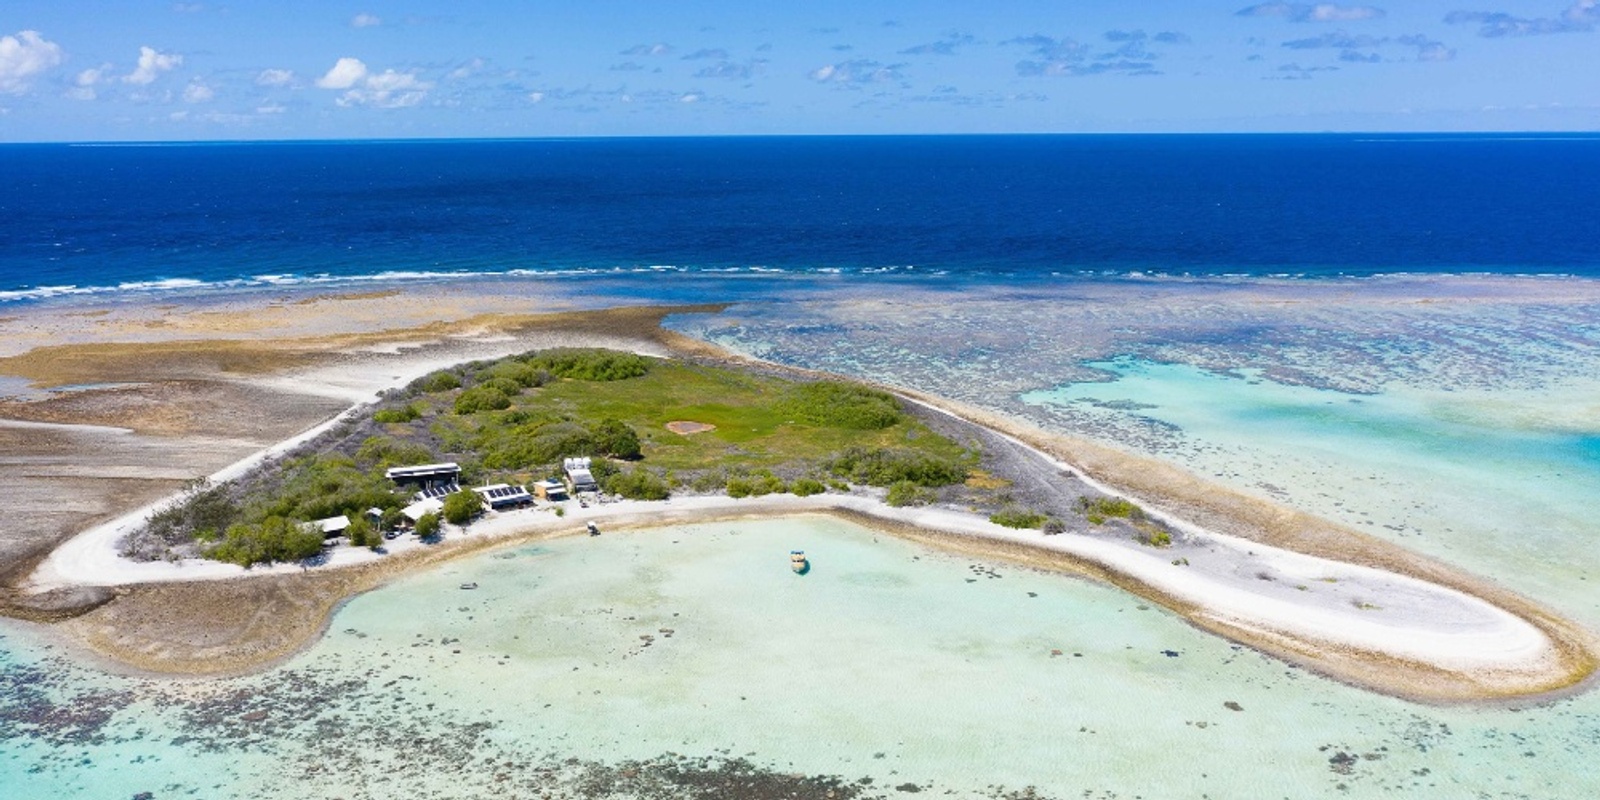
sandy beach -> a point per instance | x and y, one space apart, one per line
1356 609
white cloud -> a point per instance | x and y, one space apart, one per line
274 77
271 108
23 56
152 63
689 98
346 72
388 89
92 75
466 70
197 92
536 97
1312 12
365 21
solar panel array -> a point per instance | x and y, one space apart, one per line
437 492
502 492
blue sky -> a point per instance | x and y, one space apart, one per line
250 69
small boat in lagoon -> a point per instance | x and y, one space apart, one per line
798 562
594 530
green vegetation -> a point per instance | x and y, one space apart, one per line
887 466
482 398
1155 537
842 405
1100 509
588 364
1013 517
441 381
428 525
905 493
756 485
273 539
514 419
460 507
361 533
405 413
805 487
638 484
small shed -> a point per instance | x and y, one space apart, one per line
579 478
333 527
549 490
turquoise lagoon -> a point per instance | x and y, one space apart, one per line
1500 482
683 661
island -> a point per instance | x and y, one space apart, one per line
464 451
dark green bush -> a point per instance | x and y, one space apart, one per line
762 483
805 487
882 467
405 413
460 507
441 381
526 376
1019 518
615 439
428 525
482 398
906 493
841 405
588 364
505 386
638 484
272 539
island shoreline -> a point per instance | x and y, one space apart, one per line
1574 644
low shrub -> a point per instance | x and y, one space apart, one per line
482 398
805 487
406 413
1100 509
272 539
886 466
441 381
1018 518
588 364
638 484
906 493
841 405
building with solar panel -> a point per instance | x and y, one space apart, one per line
501 496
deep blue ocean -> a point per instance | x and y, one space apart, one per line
100 217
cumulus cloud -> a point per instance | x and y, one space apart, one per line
1052 56
22 57
1580 17
274 77
346 72
197 92
706 53
857 71
1295 72
1311 12
365 21
657 49
942 47
152 63
741 70
1359 48
388 89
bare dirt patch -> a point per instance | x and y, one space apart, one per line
685 428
